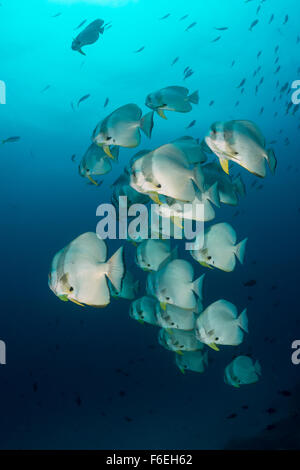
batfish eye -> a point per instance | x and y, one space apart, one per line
209 257
108 138
167 298
71 289
216 339
158 185
148 265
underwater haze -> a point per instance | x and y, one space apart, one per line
85 378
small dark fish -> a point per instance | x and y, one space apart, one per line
254 23
232 416
250 283
285 393
83 98
250 298
270 427
237 103
80 24
216 39
45 89
260 187
258 9
191 26
242 83
175 60
35 387
271 18
276 49
122 393
72 105
188 74
191 124
245 407
11 139
261 110
271 411
139 50
78 401
183 17
232 63
56 15
128 419
73 157
165 17
106 102
222 29
259 54
286 19
211 103
277 70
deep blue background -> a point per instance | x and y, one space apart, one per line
64 351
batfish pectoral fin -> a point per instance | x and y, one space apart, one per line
224 164
179 352
76 302
213 346
141 321
169 331
161 113
182 370
177 221
154 197
64 297
163 305
206 265
108 152
92 180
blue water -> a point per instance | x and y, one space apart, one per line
131 393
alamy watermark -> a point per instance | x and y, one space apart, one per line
2 92
156 221
296 95
2 353
296 353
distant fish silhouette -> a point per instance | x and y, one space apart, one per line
165 17
242 83
45 89
83 98
250 283
106 102
80 24
191 124
139 50
216 39
254 23
11 140
192 25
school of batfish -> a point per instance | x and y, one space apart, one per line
183 171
